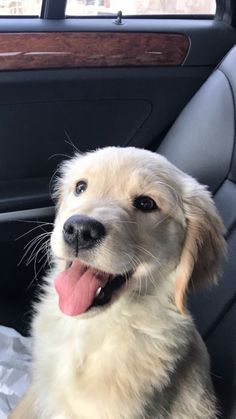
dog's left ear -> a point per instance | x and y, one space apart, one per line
204 243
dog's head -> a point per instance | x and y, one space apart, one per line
128 221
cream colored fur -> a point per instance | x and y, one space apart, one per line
140 356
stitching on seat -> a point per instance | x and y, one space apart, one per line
234 106
221 315
227 307
234 139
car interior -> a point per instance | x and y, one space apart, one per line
162 82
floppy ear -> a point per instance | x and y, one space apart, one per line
204 243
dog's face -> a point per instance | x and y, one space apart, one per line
127 219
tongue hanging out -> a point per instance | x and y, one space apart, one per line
77 287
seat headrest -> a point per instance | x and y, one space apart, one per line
201 141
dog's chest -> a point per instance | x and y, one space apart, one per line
102 375
102 368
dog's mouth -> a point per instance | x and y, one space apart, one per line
81 287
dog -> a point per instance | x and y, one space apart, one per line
113 338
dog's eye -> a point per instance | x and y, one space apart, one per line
80 187
144 203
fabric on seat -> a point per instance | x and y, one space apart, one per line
202 143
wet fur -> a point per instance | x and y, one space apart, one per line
140 356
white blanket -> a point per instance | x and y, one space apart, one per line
14 368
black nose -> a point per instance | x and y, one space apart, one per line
82 232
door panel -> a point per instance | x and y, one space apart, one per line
40 112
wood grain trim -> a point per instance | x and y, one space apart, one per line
26 51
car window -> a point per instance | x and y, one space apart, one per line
139 7
20 7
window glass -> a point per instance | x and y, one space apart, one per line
20 7
139 7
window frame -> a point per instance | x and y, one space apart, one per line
53 9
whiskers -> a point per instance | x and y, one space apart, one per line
134 262
137 258
37 250
148 273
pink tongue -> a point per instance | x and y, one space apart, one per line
77 287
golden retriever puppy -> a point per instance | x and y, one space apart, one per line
113 338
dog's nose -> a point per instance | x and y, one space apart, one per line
82 232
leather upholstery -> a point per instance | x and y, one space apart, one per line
202 143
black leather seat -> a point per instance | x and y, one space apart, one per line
202 143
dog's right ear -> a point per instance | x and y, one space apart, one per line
204 242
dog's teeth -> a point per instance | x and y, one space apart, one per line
98 291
